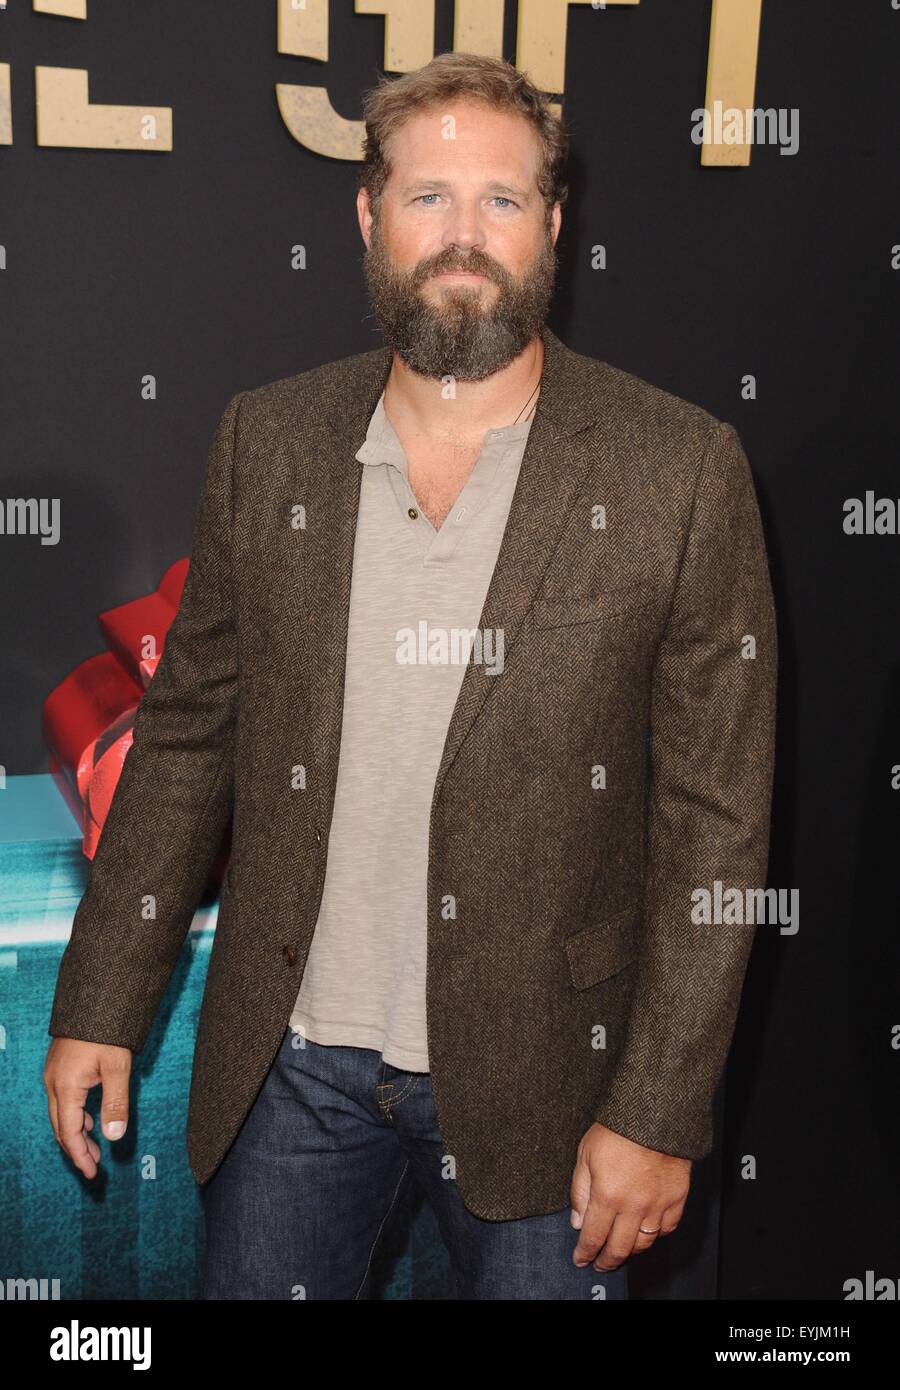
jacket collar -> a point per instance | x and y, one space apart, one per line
570 399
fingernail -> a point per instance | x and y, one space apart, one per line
575 1219
115 1129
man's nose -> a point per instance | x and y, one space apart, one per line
463 228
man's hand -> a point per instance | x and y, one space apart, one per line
71 1069
618 1186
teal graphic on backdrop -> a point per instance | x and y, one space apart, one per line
135 1231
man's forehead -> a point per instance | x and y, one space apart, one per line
489 135
467 120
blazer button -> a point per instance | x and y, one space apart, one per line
289 954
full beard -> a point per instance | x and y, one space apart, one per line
458 337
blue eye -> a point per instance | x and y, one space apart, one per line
426 195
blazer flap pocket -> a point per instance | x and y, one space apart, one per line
589 608
604 948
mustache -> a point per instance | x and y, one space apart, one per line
475 261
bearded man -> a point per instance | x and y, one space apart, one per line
456 943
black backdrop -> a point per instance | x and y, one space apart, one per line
121 264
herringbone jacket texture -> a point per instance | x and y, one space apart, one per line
622 760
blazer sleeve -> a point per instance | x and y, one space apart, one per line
172 801
711 773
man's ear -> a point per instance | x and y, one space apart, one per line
364 213
556 220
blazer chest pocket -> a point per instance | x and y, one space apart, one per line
604 948
570 611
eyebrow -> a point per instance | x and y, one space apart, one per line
442 185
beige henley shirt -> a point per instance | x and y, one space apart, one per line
416 600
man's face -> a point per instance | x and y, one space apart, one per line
460 257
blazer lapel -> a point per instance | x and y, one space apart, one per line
331 489
548 484
547 487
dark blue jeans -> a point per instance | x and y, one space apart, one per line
297 1205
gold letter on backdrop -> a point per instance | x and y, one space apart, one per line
307 111
731 74
303 31
5 106
5 99
65 116
67 9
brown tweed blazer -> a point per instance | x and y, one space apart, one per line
623 759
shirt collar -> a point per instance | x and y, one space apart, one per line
381 444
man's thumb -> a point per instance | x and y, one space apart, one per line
579 1191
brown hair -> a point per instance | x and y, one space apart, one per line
462 76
